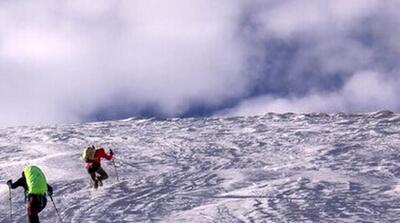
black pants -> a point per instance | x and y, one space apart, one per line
35 205
97 173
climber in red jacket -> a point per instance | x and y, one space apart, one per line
94 168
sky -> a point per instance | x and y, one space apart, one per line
74 61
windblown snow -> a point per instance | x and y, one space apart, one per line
272 168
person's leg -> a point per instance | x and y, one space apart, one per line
42 202
92 173
33 209
93 176
103 175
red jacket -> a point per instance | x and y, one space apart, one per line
100 153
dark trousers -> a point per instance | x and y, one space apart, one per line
35 205
97 173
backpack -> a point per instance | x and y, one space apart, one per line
88 154
35 180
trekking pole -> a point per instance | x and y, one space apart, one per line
9 198
115 166
58 214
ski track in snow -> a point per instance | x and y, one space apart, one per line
272 168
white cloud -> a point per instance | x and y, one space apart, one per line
65 60
69 58
313 17
37 46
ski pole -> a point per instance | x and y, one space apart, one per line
9 198
58 214
115 166
116 171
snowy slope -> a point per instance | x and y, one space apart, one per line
272 168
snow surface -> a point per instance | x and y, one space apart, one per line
273 168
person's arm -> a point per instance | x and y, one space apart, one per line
19 183
105 155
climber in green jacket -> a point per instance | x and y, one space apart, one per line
35 185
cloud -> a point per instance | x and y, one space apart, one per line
62 61
312 17
327 56
366 91
71 61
